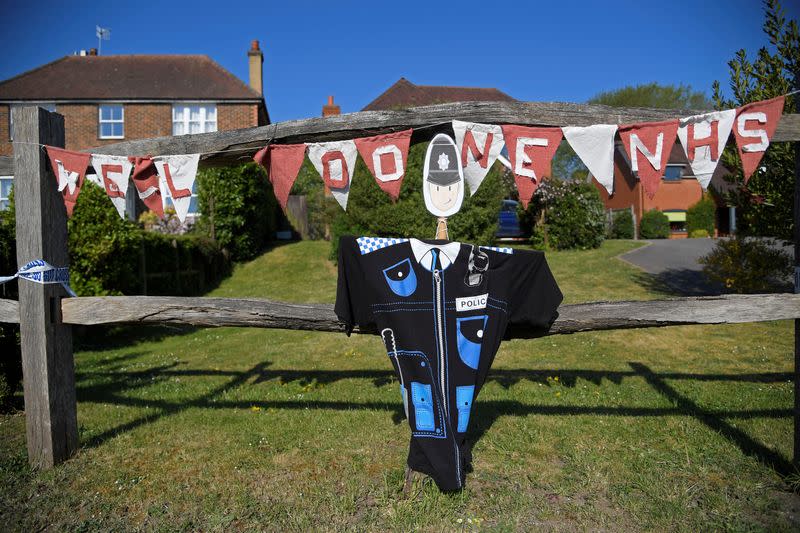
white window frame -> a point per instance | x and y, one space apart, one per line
101 121
5 198
50 106
186 108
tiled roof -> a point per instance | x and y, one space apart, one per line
405 94
134 77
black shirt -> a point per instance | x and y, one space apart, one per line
442 309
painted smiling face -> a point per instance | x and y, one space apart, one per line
443 180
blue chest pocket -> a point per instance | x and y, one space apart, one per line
401 278
464 404
469 336
422 399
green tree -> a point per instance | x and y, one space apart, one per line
654 95
764 204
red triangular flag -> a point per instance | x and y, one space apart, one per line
753 128
530 151
386 156
145 179
69 168
649 145
282 162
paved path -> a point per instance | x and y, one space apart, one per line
671 265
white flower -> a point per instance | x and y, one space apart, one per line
444 161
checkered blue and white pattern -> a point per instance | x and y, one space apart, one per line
371 244
501 250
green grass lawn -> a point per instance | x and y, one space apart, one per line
683 428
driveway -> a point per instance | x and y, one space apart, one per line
673 267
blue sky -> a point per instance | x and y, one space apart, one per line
545 51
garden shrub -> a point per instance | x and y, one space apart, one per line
370 211
574 216
238 209
699 234
748 265
654 225
10 357
181 265
622 225
701 216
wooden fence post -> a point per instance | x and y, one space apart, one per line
796 455
47 363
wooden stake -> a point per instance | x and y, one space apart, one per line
441 229
47 365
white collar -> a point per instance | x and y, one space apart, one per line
423 255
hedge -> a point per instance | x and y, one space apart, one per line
701 216
654 225
622 225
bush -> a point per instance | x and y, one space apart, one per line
654 225
699 234
574 216
622 225
701 216
370 211
10 360
181 265
322 210
748 265
239 209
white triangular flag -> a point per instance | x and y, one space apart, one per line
335 162
595 146
703 138
113 173
478 148
176 174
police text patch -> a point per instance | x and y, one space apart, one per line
469 303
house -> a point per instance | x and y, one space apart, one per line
108 99
679 190
406 94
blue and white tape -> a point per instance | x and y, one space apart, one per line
40 271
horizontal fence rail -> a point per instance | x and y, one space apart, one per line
434 118
246 312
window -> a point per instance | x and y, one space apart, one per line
112 122
6 184
189 118
193 208
49 106
673 173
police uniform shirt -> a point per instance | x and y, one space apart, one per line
442 309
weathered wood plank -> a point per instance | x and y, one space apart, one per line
214 312
9 311
47 365
434 118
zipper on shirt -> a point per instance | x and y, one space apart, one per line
437 281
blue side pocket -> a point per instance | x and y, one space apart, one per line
469 332
422 399
464 404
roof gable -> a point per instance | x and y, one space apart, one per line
406 94
128 77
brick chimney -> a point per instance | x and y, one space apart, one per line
331 109
92 51
256 61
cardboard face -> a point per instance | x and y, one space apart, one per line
442 178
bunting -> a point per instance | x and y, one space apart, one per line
594 145
282 162
531 152
335 162
703 138
478 147
648 146
113 173
755 126
176 178
70 169
386 157
145 179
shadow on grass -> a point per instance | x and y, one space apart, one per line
678 282
114 385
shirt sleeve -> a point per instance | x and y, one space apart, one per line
352 306
534 293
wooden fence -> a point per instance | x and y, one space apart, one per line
46 314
